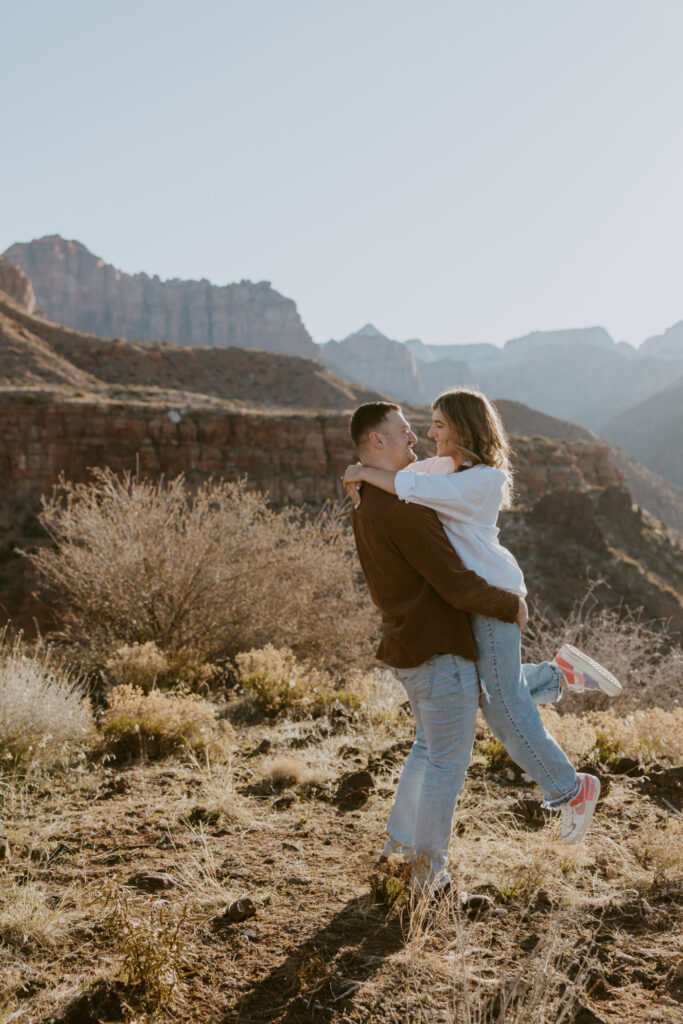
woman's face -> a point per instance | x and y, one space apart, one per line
446 437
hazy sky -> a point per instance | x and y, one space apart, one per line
457 171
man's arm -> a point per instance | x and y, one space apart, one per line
419 535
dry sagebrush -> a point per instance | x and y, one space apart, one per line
639 654
43 708
202 574
159 722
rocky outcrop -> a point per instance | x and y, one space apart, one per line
661 498
295 457
80 290
573 518
15 283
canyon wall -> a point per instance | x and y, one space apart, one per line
80 290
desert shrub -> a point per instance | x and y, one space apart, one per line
43 707
138 665
641 655
646 735
148 936
158 723
275 681
202 574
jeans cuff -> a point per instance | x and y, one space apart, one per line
552 805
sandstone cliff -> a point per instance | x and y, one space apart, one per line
15 283
80 290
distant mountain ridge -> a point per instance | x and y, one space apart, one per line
81 291
581 375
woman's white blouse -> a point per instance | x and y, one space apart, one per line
467 504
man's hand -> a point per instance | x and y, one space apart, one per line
353 482
522 614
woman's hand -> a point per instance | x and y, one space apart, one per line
352 481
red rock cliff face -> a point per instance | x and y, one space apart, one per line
296 458
78 289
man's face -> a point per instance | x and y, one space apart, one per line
398 440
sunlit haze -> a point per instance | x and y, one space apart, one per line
453 171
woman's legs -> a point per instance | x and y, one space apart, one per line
544 682
509 709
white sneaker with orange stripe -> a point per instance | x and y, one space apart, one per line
583 673
577 815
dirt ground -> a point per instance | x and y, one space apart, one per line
250 891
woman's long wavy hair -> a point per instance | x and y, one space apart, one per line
479 431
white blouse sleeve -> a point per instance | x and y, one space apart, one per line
462 495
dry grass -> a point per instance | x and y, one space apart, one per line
319 928
283 770
27 919
148 937
139 665
202 574
639 654
43 707
647 736
276 681
158 723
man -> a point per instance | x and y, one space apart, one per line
424 593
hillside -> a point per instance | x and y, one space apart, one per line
652 432
34 350
662 499
78 289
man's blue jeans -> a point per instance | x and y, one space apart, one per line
444 696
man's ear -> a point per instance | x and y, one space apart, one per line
376 439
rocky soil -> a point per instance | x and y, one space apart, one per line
261 897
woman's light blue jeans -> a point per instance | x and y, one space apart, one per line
510 693
444 695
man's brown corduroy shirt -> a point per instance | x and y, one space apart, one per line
419 583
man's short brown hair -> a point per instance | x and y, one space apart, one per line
369 417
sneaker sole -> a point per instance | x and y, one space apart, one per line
578 836
608 683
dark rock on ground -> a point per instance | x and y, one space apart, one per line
354 788
151 881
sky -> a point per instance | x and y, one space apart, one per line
451 170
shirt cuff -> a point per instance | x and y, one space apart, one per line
404 482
